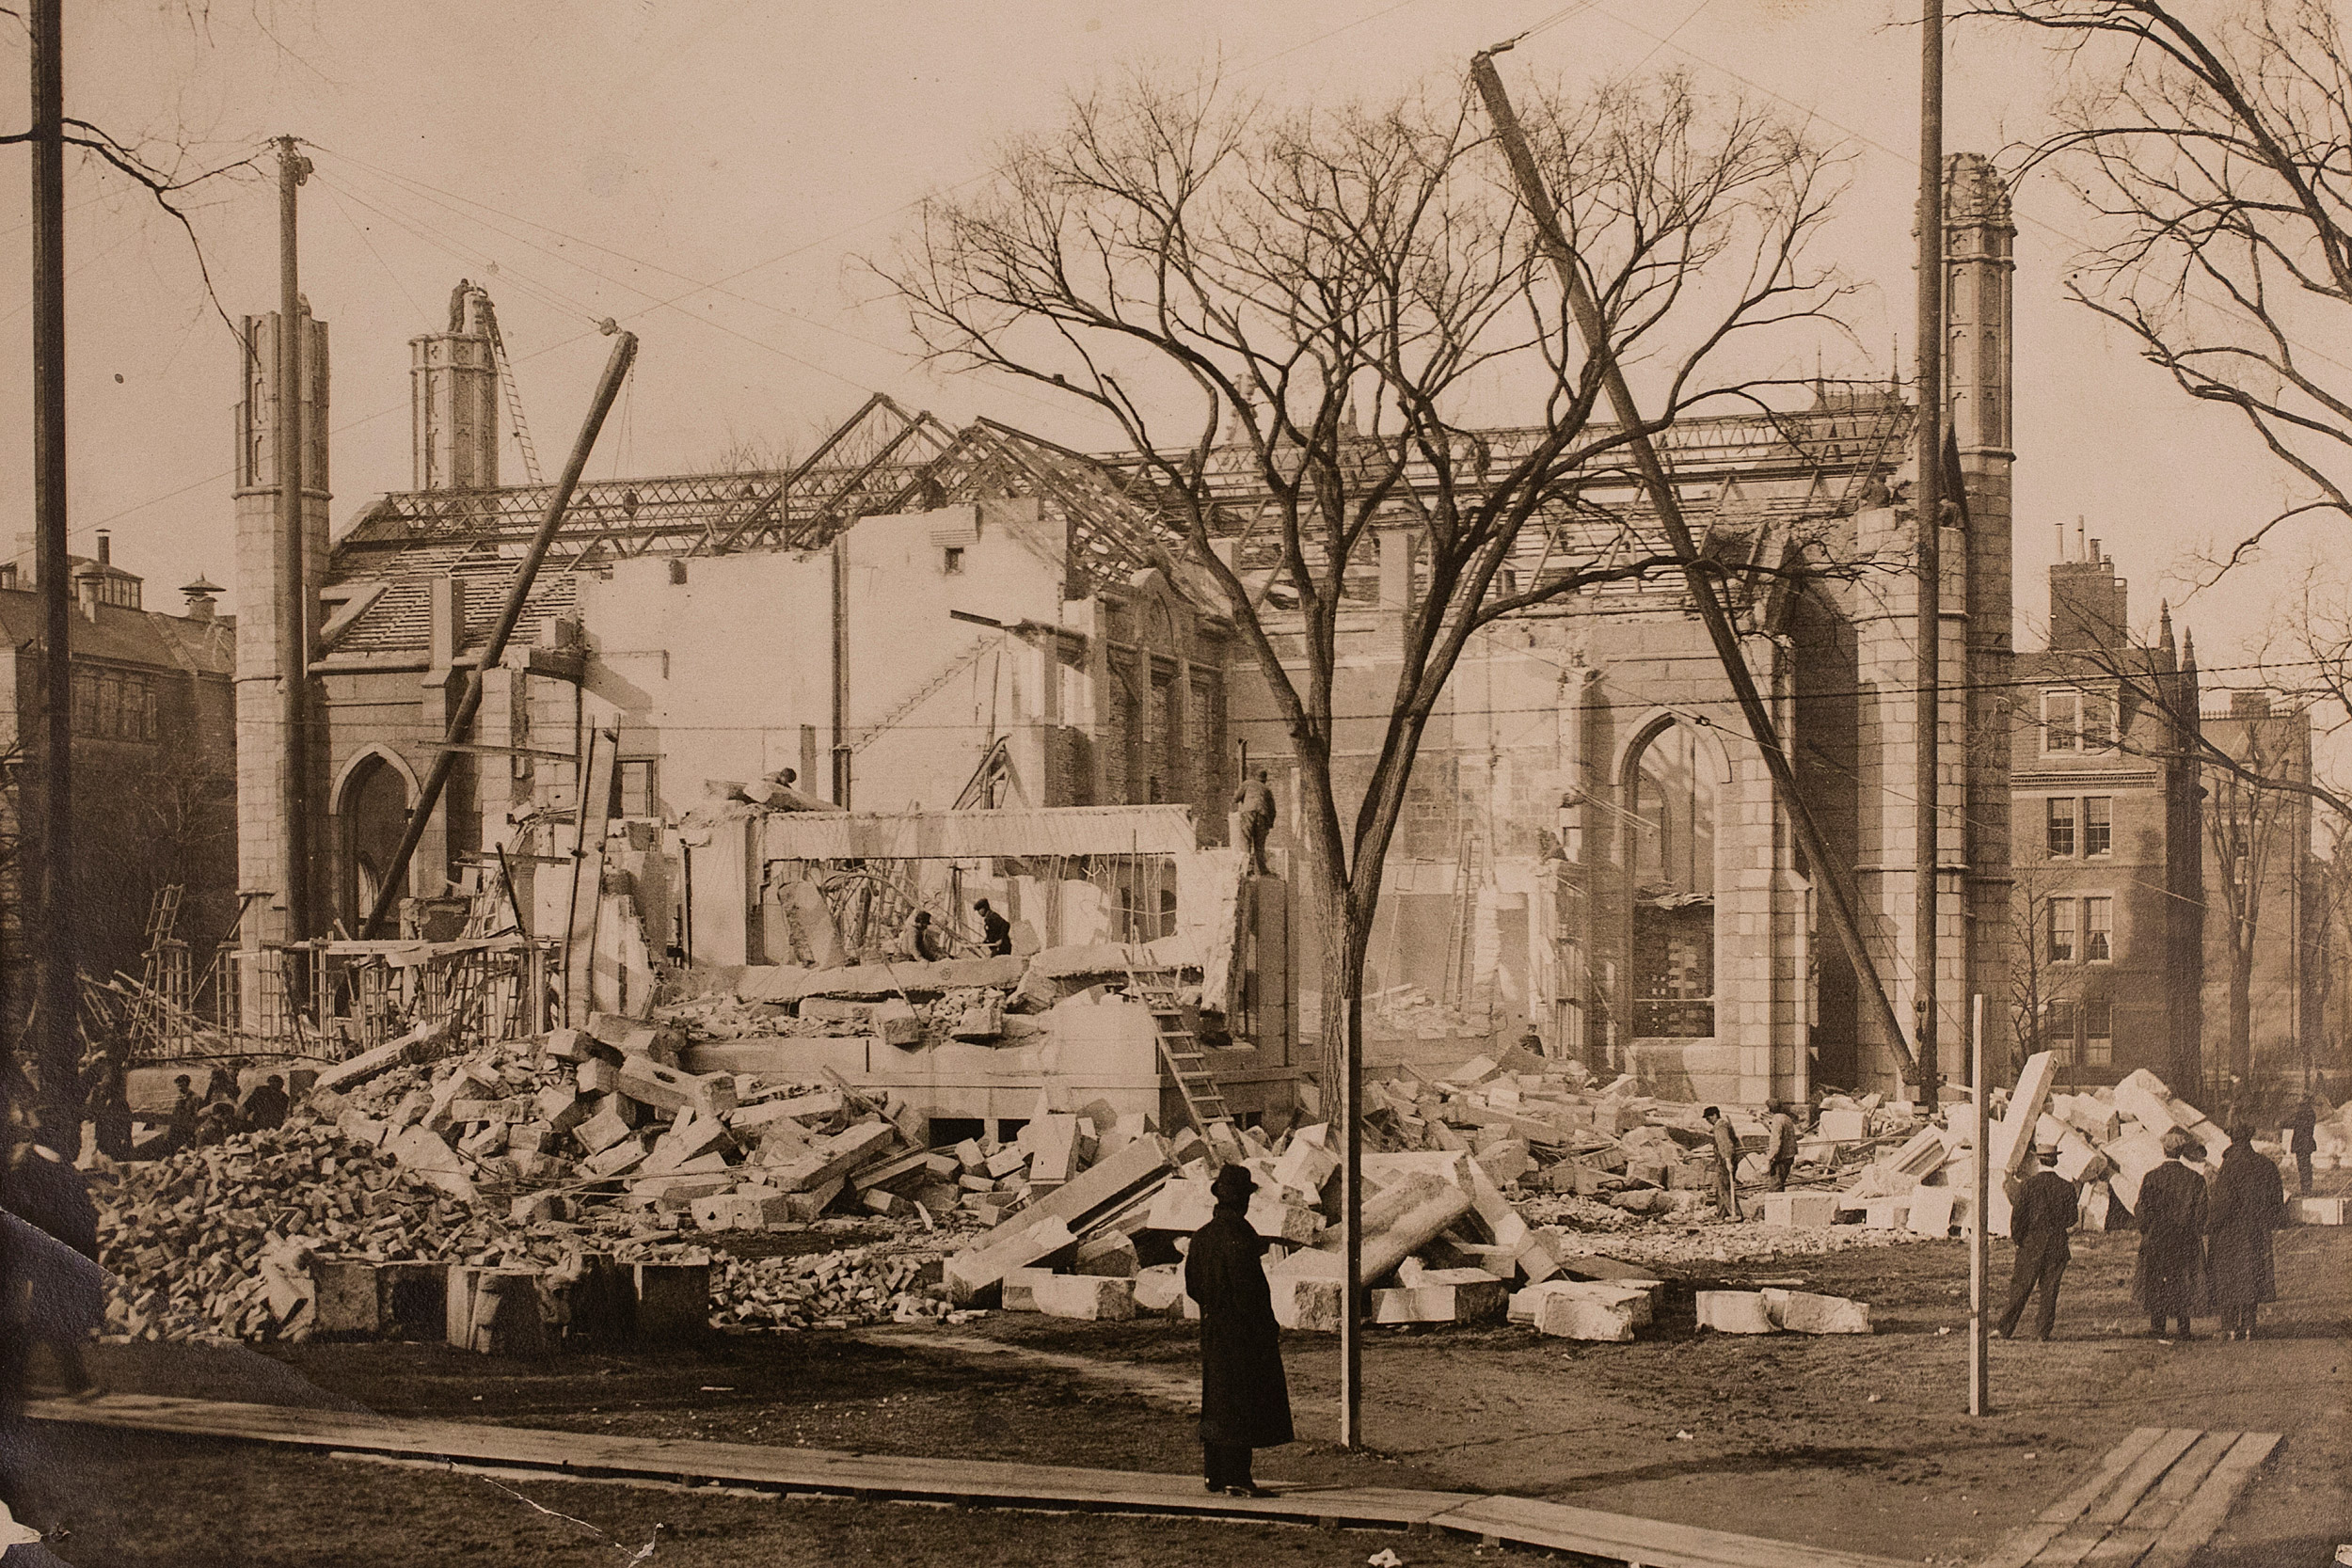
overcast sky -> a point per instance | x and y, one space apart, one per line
709 173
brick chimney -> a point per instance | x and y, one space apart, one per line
2090 606
201 598
2249 705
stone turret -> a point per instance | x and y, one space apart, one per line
454 397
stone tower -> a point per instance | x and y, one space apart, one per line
1979 272
453 394
266 595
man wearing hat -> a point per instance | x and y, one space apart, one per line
2169 1275
1245 1400
2044 1214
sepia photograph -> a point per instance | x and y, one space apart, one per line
1391 782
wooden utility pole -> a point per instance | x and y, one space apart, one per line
841 748
494 647
294 610
1928 504
50 923
1836 903
1980 1261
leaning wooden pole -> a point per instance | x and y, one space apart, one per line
509 616
1836 903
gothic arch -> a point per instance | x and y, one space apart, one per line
372 796
1676 853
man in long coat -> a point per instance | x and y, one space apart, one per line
1726 1167
2303 1140
2168 1277
1245 1400
2247 1202
2044 1214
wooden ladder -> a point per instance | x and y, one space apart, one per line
1181 1052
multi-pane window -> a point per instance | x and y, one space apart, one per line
2058 1024
2098 824
2061 720
116 705
633 788
2098 711
2098 929
2059 811
2098 1031
2061 928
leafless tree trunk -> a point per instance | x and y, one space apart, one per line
1326 307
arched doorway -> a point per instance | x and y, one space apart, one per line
370 816
1671 785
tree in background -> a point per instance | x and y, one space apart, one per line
2210 150
1335 301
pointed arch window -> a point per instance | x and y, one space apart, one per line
1673 862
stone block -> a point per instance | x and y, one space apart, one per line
1112 1256
1581 1315
1159 1288
1735 1312
1845 1127
667 1089
1932 1211
596 1076
1803 1312
602 1130
2319 1210
973 1275
672 1300
1887 1214
1018 1288
2012 1140
2130 1159
614 1159
1807 1211
1307 1302
1088 1297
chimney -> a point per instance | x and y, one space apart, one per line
200 595
86 592
2088 604
105 548
2249 705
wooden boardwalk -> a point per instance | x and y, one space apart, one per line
2153 1502
981 1484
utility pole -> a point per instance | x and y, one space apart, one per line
51 918
841 750
1928 498
1836 903
293 628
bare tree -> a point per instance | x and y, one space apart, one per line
2250 828
1323 307
2211 151
2043 991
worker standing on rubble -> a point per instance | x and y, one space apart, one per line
2044 1214
2168 1277
265 1107
1726 1163
2246 1203
1254 802
1245 1399
180 1126
996 930
1780 1144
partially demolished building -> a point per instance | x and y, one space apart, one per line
931 626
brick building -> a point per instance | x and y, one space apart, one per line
154 762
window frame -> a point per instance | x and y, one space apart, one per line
2105 846
651 767
2101 904
2064 740
2053 928
2052 807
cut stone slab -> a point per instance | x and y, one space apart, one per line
1585 1315
973 1275
2131 1158
1307 1303
1440 1303
1020 1289
835 1156
1088 1297
1159 1288
1845 1127
1886 1214
2319 1210
1112 1257
1807 1210
1930 1211
1735 1312
1803 1312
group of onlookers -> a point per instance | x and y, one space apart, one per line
192 1118
2204 1243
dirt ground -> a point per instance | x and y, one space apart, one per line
1854 1443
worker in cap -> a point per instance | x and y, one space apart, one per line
2169 1275
996 930
2248 1202
1245 1399
2039 1222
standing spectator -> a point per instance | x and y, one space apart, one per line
996 930
109 1103
2168 1278
1245 1399
2044 1214
218 1117
1780 1144
1726 1163
265 1107
2303 1139
2246 1203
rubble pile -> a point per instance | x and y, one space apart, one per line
2108 1140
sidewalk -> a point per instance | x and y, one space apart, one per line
1517 1520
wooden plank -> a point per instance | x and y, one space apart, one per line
2120 1458
2073 1545
1621 1538
2122 1548
2023 1546
2201 1518
2164 1500
2145 1472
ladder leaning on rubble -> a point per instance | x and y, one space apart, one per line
1186 1062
